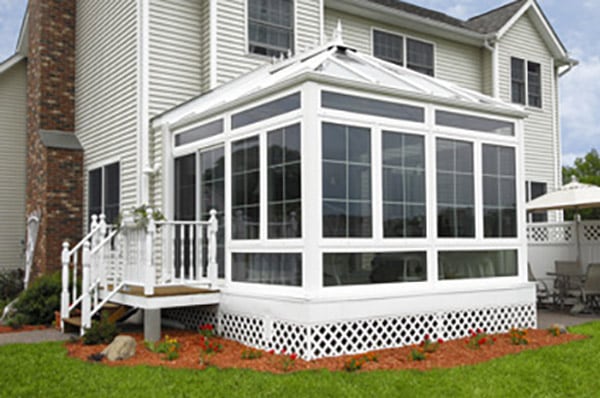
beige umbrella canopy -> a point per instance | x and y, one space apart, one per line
574 195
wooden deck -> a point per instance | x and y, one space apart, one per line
167 291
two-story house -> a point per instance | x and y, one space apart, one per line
368 160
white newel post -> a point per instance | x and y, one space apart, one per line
64 297
150 273
86 319
213 228
101 272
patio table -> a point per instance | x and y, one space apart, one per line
565 282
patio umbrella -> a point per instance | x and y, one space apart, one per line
575 195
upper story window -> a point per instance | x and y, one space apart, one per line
270 27
526 85
414 54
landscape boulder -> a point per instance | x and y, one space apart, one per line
122 347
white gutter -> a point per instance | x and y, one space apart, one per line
572 63
493 48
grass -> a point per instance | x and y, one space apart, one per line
570 370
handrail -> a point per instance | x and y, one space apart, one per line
85 239
75 303
107 299
206 223
105 241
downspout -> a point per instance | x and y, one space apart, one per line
492 46
145 141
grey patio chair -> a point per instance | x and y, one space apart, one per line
590 291
568 282
543 293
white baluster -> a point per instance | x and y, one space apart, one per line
173 251
64 298
213 228
193 257
86 319
181 252
74 277
149 265
95 240
200 251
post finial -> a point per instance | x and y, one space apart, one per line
65 245
337 37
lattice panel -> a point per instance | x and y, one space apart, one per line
353 337
591 232
291 336
550 233
192 317
245 329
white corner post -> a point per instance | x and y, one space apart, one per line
213 228
64 296
150 273
100 254
86 318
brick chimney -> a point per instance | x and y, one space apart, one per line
55 157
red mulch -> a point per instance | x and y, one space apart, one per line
24 328
449 354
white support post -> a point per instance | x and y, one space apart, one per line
213 228
64 297
86 319
101 259
150 273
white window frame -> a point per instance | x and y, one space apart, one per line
404 47
102 165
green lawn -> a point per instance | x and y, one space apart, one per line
571 370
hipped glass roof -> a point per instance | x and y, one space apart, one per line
336 62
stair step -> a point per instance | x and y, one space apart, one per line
74 321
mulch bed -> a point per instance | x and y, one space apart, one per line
24 328
449 354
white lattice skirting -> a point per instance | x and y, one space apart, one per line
356 336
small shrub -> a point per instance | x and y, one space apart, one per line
206 330
479 338
251 353
417 355
37 304
169 347
518 336
429 346
356 362
101 332
210 346
11 284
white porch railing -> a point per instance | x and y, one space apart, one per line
549 242
157 254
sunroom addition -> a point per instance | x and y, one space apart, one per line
361 204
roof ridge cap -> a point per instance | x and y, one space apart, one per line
495 9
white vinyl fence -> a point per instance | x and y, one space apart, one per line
549 242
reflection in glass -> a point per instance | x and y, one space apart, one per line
245 189
368 268
477 264
499 192
268 268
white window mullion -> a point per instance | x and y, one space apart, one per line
263 175
377 183
478 190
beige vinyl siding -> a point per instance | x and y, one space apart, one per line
541 149
487 74
233 59
178 64
13 136
107 91
455 62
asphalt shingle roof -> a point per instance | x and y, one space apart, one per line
488 22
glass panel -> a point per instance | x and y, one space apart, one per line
284 183
266 111
367 268
245 189
517 73
499 191
94 193
373 107
419 56
199 133
185 188
534 86
270 26
403 185
475 123
346 181
455 189
212 194
267 268
388 46
477 264
112 193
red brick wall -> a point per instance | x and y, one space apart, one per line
54 176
